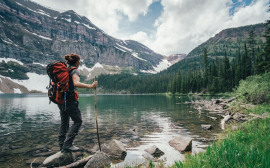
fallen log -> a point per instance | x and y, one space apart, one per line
229 100
255 115
79 163
223 121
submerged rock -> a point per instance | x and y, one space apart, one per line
21 150
154 151
45 153
100 159
206 127
58 159
181 143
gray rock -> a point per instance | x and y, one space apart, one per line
100 159
154 151
35 161
115 150
181 143
58 159
206 127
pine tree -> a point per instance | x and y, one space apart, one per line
206 68
252 43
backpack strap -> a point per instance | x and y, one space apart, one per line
70 69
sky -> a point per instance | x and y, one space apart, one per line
166 26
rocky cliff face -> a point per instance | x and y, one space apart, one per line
176 58
32 33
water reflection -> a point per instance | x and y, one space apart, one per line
30 120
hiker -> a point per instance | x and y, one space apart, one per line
72 109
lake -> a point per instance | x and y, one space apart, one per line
27 120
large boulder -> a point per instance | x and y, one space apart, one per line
115 150
181 143
100 159
154 151
58 159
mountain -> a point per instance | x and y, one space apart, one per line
32 35
228 40
175 58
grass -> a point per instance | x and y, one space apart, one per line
248 146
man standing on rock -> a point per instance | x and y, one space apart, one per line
72 108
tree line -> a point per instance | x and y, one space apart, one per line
223 74
215 74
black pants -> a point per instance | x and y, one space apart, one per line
66 135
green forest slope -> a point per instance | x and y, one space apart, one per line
215 66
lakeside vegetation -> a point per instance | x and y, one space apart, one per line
248 145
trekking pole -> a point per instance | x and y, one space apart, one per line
96 116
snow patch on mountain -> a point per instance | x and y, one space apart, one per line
19 4
125 48
40 64
164 64
35 82
46 38
7 42
10 59
42 12
148 71
83 67
16 90
89 27
69 20
39 11
136 55
120 49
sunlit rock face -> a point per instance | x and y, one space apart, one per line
32 33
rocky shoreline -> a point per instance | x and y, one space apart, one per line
225 109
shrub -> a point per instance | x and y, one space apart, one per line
255 89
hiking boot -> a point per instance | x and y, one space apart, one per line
70 149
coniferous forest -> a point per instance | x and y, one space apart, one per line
199 74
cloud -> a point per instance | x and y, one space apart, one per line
185 24
106 14
182 26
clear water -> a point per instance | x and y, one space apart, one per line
27 120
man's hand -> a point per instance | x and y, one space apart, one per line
95 84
